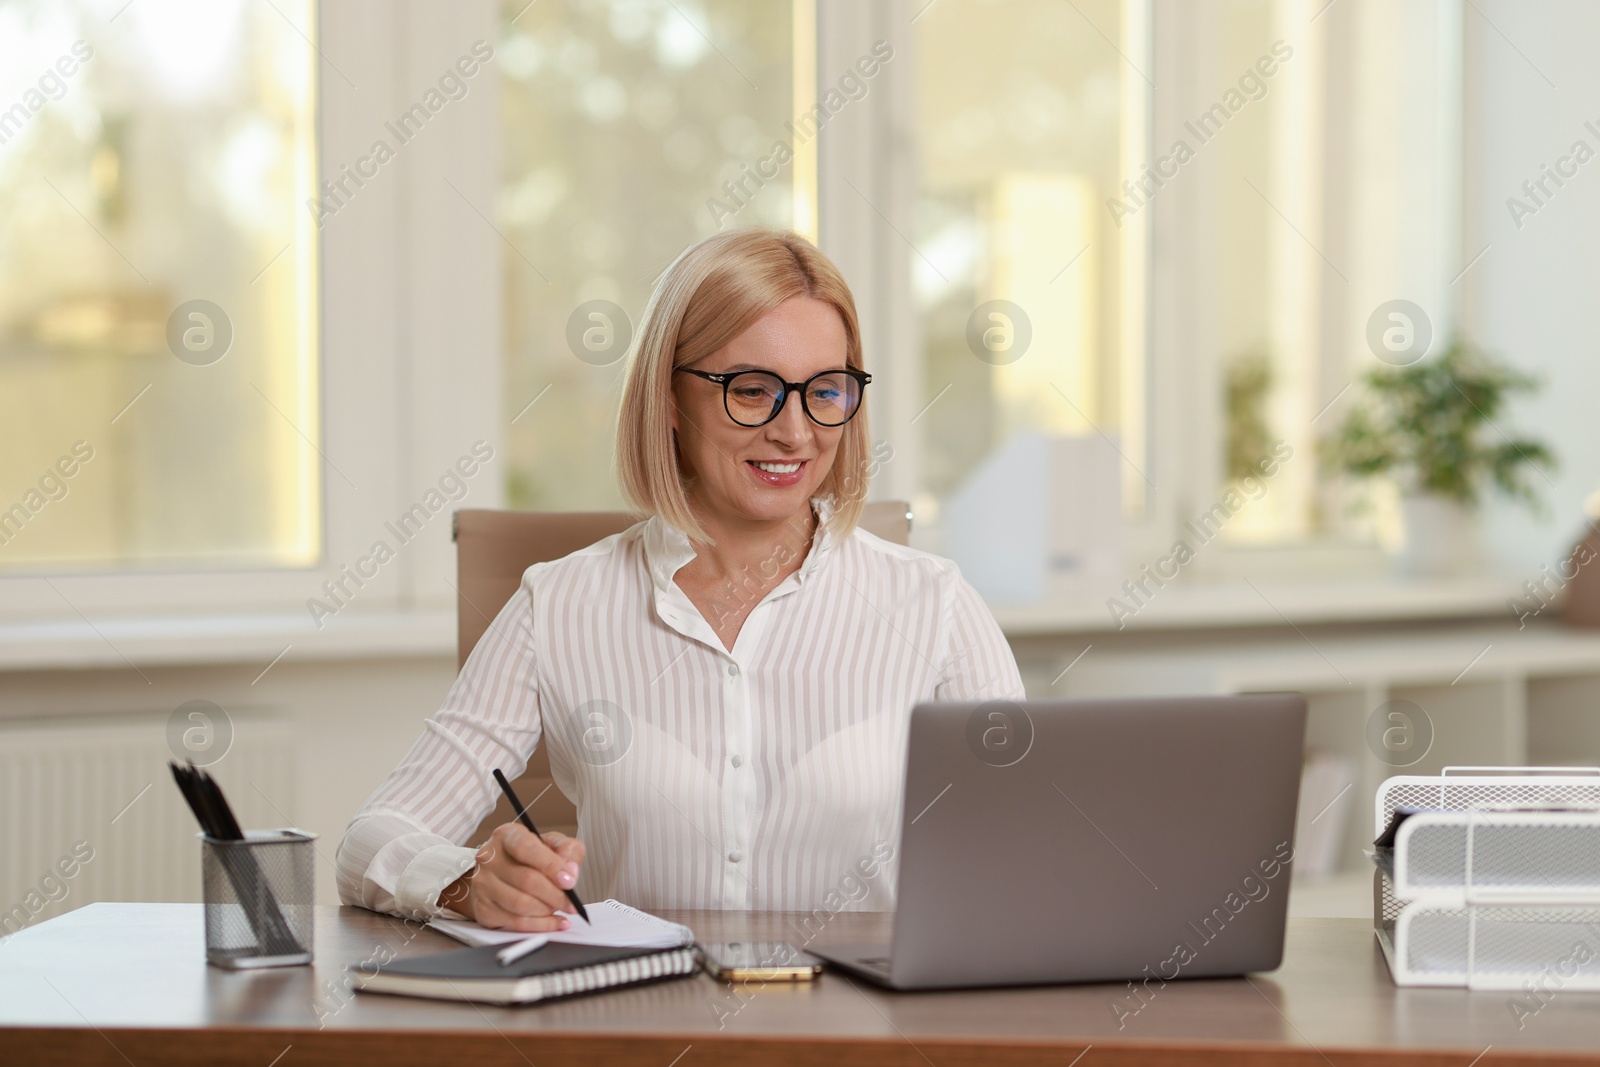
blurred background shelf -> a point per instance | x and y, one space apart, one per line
1367 598
1382 700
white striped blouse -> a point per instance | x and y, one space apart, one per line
766 777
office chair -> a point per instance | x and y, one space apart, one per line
493 548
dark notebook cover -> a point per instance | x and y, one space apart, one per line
465 964
555 970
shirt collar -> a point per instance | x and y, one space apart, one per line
667 549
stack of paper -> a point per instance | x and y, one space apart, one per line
613 925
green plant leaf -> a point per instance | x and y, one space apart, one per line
1433 427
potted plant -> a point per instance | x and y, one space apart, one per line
1433 427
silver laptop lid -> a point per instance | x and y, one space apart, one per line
1089 840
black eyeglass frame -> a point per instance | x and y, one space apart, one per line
862 379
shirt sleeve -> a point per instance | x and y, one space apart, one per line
405 844
978 663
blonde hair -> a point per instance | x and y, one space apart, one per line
711 294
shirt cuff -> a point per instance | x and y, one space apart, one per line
427 875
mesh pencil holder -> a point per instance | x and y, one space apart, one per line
259 896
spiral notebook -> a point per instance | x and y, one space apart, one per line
556 970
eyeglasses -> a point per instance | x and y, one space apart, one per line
754 397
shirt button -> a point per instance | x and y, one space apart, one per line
738 760
733 669
735 856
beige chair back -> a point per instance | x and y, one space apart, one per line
493 548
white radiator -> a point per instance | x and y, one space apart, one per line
89 811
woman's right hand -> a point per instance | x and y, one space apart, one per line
519 881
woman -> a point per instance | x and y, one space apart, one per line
747 655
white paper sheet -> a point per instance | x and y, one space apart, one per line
614 925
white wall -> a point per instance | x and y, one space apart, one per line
1531 83
331 729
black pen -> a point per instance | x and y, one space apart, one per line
522 815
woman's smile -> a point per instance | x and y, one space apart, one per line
777 472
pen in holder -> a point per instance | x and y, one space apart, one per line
259 894
257 887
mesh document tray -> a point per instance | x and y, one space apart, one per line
1489 898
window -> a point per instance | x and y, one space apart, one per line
1027 114
632 129
1193 209
159 397
1328 185
485 284
624 122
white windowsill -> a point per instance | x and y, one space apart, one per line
164 641
1204 605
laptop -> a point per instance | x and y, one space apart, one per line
1091 840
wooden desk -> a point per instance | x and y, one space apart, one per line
120 984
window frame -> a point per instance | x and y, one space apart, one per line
870 154
394 418
411 270
867 185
